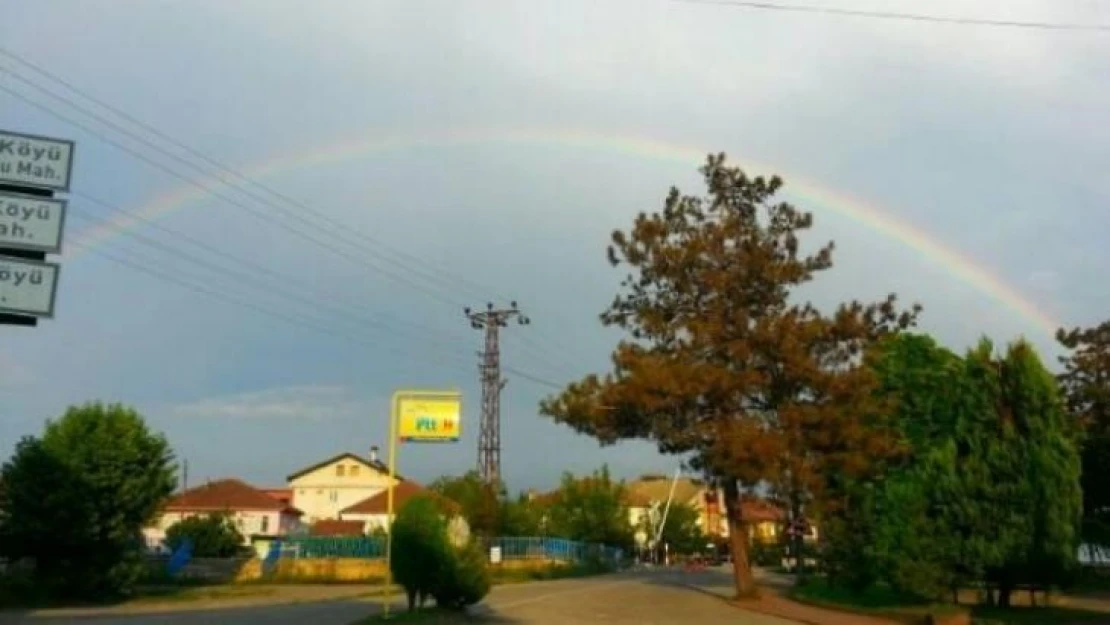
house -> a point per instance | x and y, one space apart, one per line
326 488
765 519
372 512
254 512
651 492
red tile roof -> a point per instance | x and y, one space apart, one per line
760 510
228 494
402 492
336 527
284 495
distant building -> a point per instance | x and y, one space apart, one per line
372 512
326 488
254 512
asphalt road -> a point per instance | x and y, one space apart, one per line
627 599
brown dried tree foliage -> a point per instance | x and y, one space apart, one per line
720 363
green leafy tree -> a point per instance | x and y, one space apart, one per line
522 517
989 491
722 364
1086 386
76 499
481 503
681 531
212 536
421 550
591 509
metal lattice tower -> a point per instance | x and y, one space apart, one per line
489 434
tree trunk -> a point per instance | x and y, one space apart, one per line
798 539
411 595
738 542
1004 592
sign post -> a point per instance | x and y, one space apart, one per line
416 416
32 168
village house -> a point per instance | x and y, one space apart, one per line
372 512
326 488
254 512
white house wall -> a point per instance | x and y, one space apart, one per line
322 493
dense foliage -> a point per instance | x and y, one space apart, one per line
1086 384
590 509
426 564
989 492
212 536
76 498
719 363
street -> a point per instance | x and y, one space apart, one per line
640 598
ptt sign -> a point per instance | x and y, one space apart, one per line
432 419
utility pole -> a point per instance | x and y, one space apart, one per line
489 433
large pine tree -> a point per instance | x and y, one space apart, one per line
720 362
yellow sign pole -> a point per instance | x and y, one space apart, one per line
393 412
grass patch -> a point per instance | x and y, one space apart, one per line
1036 616
878 600
158 594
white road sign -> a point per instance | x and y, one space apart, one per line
27 287
33 161
31 223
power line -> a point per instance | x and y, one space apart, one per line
252 210
895 15
442 278
296 320
282 290
340 231
283 282
302 286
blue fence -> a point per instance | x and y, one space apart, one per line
332 547
512 548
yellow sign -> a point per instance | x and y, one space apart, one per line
428 418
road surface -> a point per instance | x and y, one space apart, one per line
645 598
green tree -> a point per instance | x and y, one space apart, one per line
989 491
522 517
591 509
421 550
681 531
212 536
481 503
76 499
1086 386
721 363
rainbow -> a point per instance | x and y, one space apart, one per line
869 216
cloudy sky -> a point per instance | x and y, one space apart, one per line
410 158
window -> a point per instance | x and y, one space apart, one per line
354 470
334 496
339 470
265 523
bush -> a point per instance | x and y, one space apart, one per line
766 554
465 579
421 552
213 536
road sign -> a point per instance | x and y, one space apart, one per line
31 223
428 417
34 161
27 287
